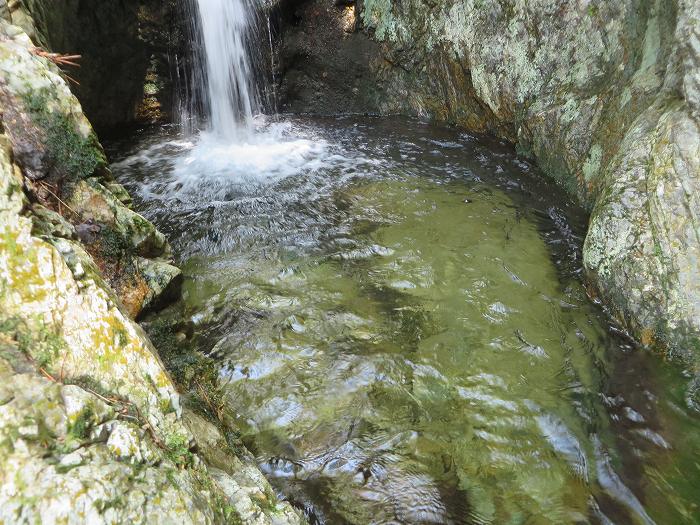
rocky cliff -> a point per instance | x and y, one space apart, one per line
605 95
92 427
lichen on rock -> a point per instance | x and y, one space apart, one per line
66 171
603 95
91 423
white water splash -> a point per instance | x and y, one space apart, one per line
259 158
209 169
239 149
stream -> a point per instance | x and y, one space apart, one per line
399 317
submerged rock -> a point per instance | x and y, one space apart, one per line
603 95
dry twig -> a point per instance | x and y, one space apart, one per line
47 188
60 60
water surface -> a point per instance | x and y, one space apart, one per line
399 317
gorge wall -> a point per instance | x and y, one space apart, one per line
92 427
605 96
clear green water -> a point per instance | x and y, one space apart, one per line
402 331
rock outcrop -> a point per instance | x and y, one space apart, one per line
92 428
605 95
114 58
324 62
125 48
74 193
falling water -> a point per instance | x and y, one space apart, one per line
272 65
226 78
227 138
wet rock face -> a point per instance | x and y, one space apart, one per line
325 63
114 59
604 95
124 47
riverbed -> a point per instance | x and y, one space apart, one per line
402 328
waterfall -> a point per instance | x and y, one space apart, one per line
272 65
222 88
224 32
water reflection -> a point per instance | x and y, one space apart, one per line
401 328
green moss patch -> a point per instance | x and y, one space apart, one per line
39 342
191 370
74 156
177 449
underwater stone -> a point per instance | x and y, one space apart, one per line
605 96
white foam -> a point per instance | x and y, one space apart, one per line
262 157
210 168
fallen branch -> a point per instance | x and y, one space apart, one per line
121 406
47 188
47 375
